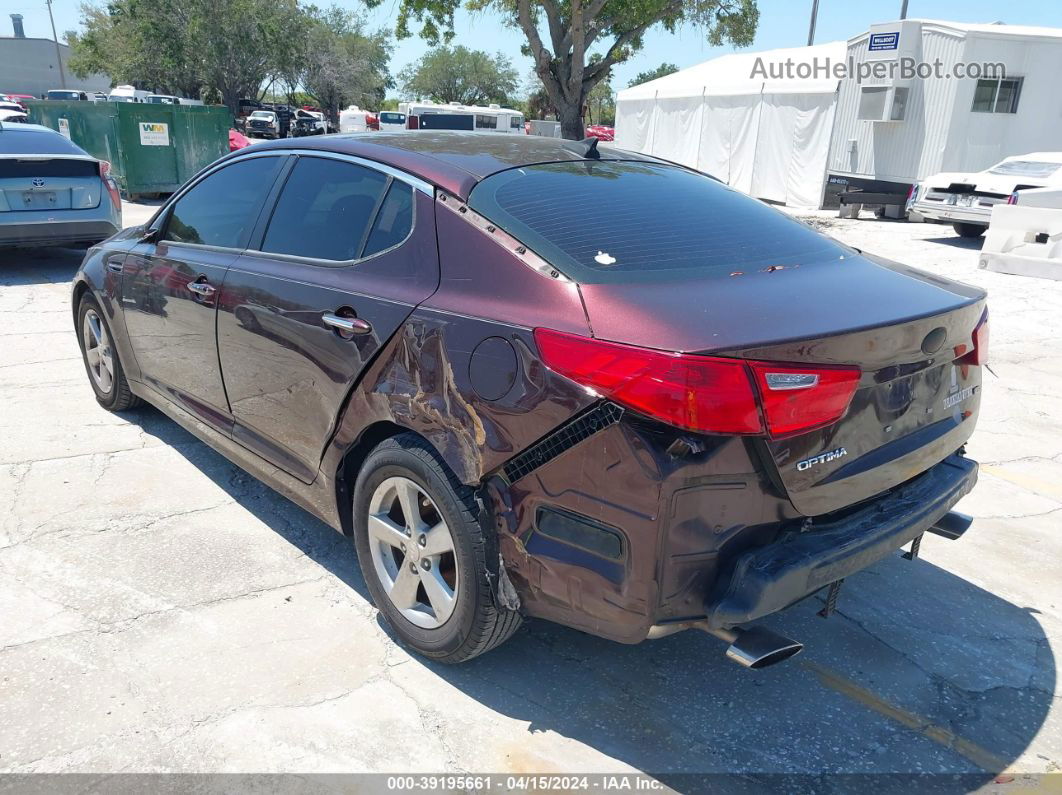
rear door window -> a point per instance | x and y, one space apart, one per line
221 210
324 210
394 222
612 221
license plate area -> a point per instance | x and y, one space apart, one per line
38 199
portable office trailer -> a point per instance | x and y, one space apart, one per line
803 141
894 131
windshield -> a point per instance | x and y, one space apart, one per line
36 142
1025 168
392 118
63 95
641 221
113 98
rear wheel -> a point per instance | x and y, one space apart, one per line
423 555
968 230
104 369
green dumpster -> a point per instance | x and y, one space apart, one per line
151 148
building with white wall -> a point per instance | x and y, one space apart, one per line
801 140
29 66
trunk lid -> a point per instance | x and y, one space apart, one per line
914 404
49 183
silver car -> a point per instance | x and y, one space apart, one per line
52 192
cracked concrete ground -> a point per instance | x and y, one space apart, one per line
162 611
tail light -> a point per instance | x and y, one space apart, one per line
797 398
1013 198
912 191
979 354
704 393
110 184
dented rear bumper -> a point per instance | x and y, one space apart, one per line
766 579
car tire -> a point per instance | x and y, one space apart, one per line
105 373
406 471
970 231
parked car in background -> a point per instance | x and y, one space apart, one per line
9 115
617 418
389 120
97 96
65 94
263 124
237 140
601 132
965 200
308 123
162 99
52 192
20 99
353 119
127 94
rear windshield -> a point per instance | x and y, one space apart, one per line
392 118
601 221
36 142
1025 168
64 95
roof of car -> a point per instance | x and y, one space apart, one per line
22 127
454 160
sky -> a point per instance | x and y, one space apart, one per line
783 23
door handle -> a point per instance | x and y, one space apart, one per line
349 325
202 289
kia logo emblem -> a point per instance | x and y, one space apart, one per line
38 182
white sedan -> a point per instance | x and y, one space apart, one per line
965 199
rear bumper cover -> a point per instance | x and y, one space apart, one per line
770 578
56 232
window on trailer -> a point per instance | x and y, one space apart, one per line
997 95
872 103
485 121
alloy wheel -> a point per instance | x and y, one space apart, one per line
98 352
413 552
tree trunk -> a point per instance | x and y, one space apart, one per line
571 118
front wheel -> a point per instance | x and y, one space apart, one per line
104 369
969 231
423 553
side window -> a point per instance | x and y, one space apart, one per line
222 209
324 210
394 221
997 95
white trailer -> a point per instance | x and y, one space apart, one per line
428 115
805 125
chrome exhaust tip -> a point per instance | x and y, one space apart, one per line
754 647
757 647
952 525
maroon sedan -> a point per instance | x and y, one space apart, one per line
542 378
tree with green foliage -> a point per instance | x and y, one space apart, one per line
601 104
562 35
343 64
138 42
663 70
458 74
229 49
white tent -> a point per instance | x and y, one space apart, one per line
767 137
